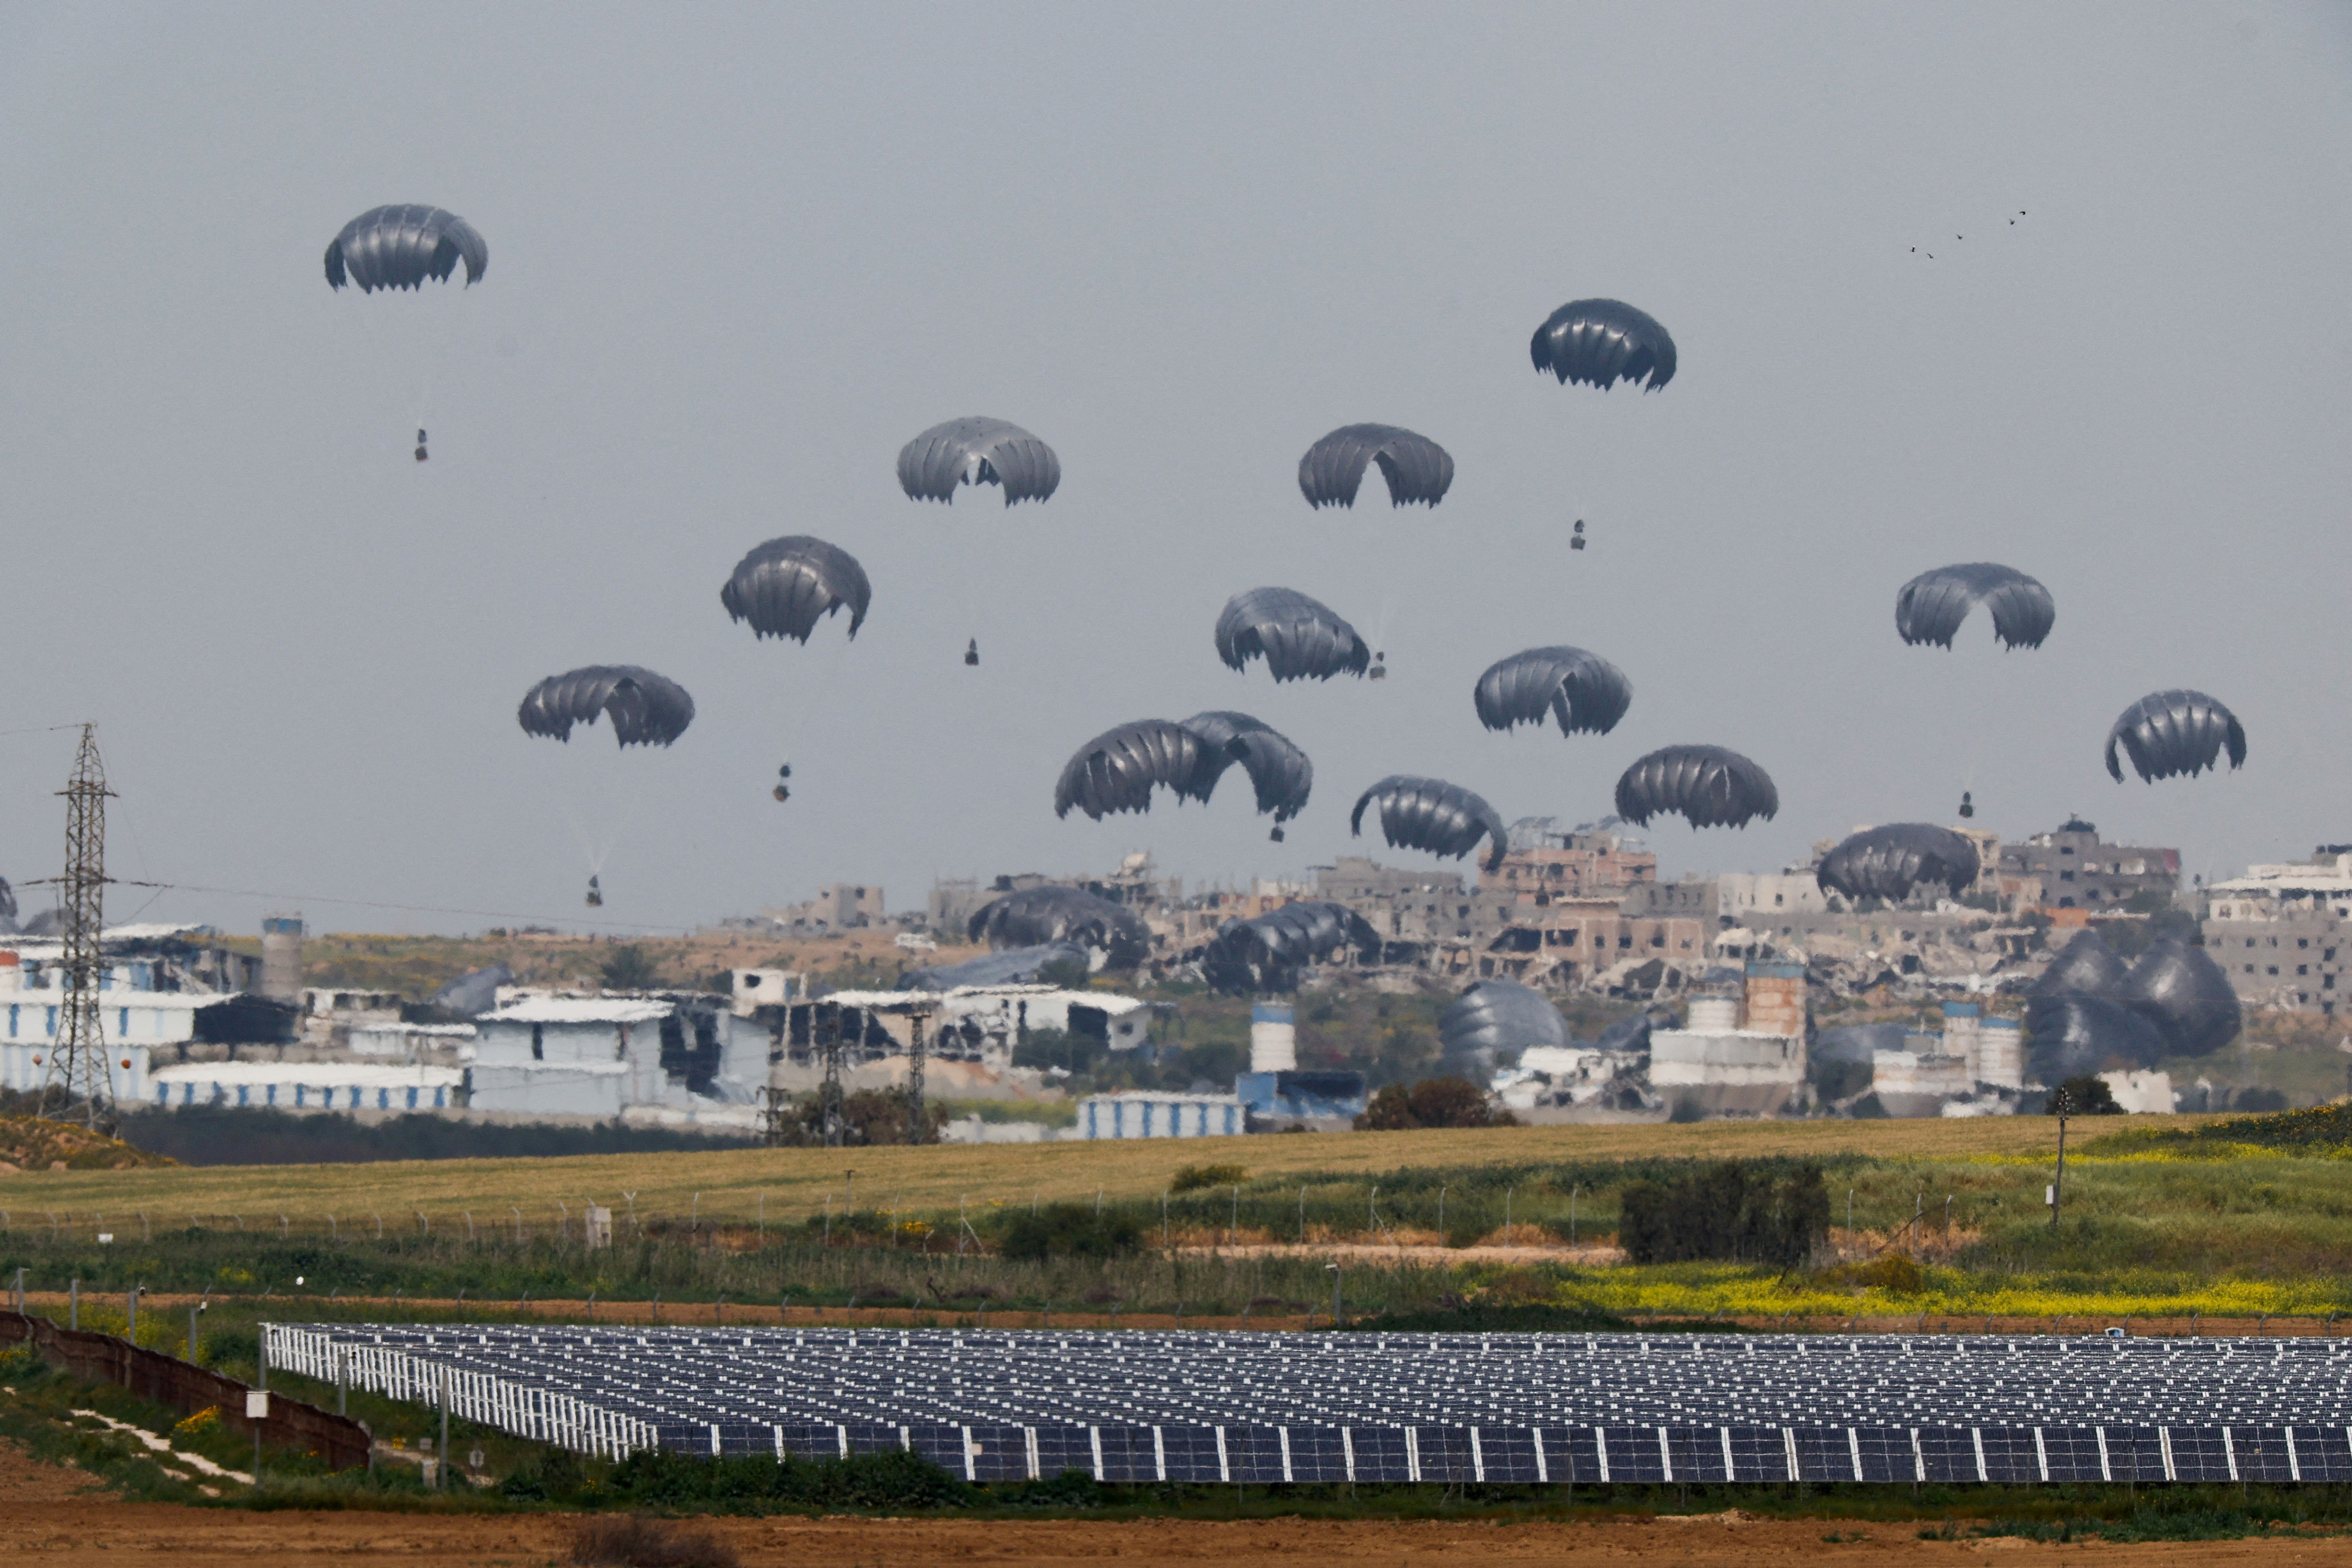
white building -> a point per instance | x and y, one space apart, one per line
306 1086
1149 1114
1715 1066
569 1056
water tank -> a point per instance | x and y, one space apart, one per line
281 958
1274 1038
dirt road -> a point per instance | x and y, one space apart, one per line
46 1515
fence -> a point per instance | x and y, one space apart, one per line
543 1414
291 1425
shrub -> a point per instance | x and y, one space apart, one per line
1193 1178
1067 1230
1732 1209
632 1541
896 1479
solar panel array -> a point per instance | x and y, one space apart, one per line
1252 1407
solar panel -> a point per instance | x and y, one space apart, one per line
1137 1407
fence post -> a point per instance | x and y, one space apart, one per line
130 1315
441 1460
73 1304
191 1337
343 1400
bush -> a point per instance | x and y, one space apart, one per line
1748 1212
1431 1102
897 1479
1194 1179
1067 1230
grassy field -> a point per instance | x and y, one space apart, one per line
738 1186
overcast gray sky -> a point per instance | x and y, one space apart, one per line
740 255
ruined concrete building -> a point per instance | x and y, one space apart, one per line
2075 870
2278 931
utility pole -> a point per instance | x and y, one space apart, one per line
2063 1104
77 1072
825 1024
918 1127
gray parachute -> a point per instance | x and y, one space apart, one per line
1267 952
1582 691
1710 787
7 900
1888 861
2086 965
978 451
1036 915
1117 769
1931 606
1603 342
2072 1033
784 586
1416 467
1495 1018
1299 638
401 246
1431 814
1013 967
646 709
1278 770
2179 989
2176 732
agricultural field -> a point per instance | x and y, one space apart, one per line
2166 1219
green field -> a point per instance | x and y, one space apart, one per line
2165 1216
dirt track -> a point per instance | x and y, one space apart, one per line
43 1514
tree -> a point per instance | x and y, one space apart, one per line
1431 1102
631 969
2090 1096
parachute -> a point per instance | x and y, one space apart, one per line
1888 861
1931 606
401 246
1583 691
1265 953
2086 965
1037 916
1497 1017
2176 732
2184 993
2073 1032
1711 788
1416 467
978 451
1299 638
1603 341
1431 814
785 586
646 709
1278 770
1117 769
1013 967
7 900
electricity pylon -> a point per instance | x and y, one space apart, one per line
78 1075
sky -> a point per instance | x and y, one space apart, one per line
741 255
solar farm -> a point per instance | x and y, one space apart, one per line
1207 1407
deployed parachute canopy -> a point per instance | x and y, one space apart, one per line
1037 916
1888 861
2175 732
2085 963
1278 770
1416 467
1265 953
1603 342
1931 606
1499 1018
399 247
785 586
1582 691
1431 814
1710 787
1299 638
2179 989
646 709
978 451
2071 1033
1117 769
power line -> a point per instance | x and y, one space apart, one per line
402 908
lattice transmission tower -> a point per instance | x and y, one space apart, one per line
78 1076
